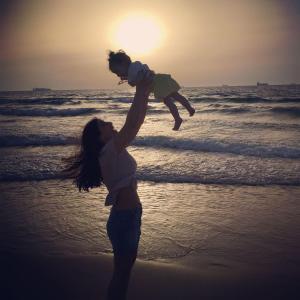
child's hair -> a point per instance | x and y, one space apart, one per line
115 58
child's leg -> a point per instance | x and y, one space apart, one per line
174 111
184 102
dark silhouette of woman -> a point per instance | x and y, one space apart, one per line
103 158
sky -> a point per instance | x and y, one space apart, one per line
63 44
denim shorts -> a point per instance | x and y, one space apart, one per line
124 229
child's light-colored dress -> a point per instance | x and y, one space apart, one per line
162 86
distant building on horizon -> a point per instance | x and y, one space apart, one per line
41 90
262 84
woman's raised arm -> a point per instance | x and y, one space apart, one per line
135 116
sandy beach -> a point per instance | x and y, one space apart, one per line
86 278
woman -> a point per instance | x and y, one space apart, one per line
103 158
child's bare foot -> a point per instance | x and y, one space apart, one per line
177 124
192 111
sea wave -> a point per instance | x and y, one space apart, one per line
291 111
37 140
218 146
40 101
254 125
149 175
51 112
107 99
232 110
244 100
64 100
150 111
164 142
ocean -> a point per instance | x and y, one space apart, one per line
225 187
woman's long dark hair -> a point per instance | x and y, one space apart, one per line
83 167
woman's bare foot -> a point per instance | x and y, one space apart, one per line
192 111
177 124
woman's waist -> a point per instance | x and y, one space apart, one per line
127 197
114 184
121 189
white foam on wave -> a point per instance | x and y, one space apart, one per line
212 145
165 142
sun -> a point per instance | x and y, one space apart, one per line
138 34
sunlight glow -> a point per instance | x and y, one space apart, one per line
138 34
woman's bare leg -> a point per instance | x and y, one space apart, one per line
174 111
118 285
184 102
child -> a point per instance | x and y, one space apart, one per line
163 85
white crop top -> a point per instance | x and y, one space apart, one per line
118 170
136 72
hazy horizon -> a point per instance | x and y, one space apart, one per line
63 45
118 88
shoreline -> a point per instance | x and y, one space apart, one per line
86 277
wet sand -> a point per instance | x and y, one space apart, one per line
87 277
